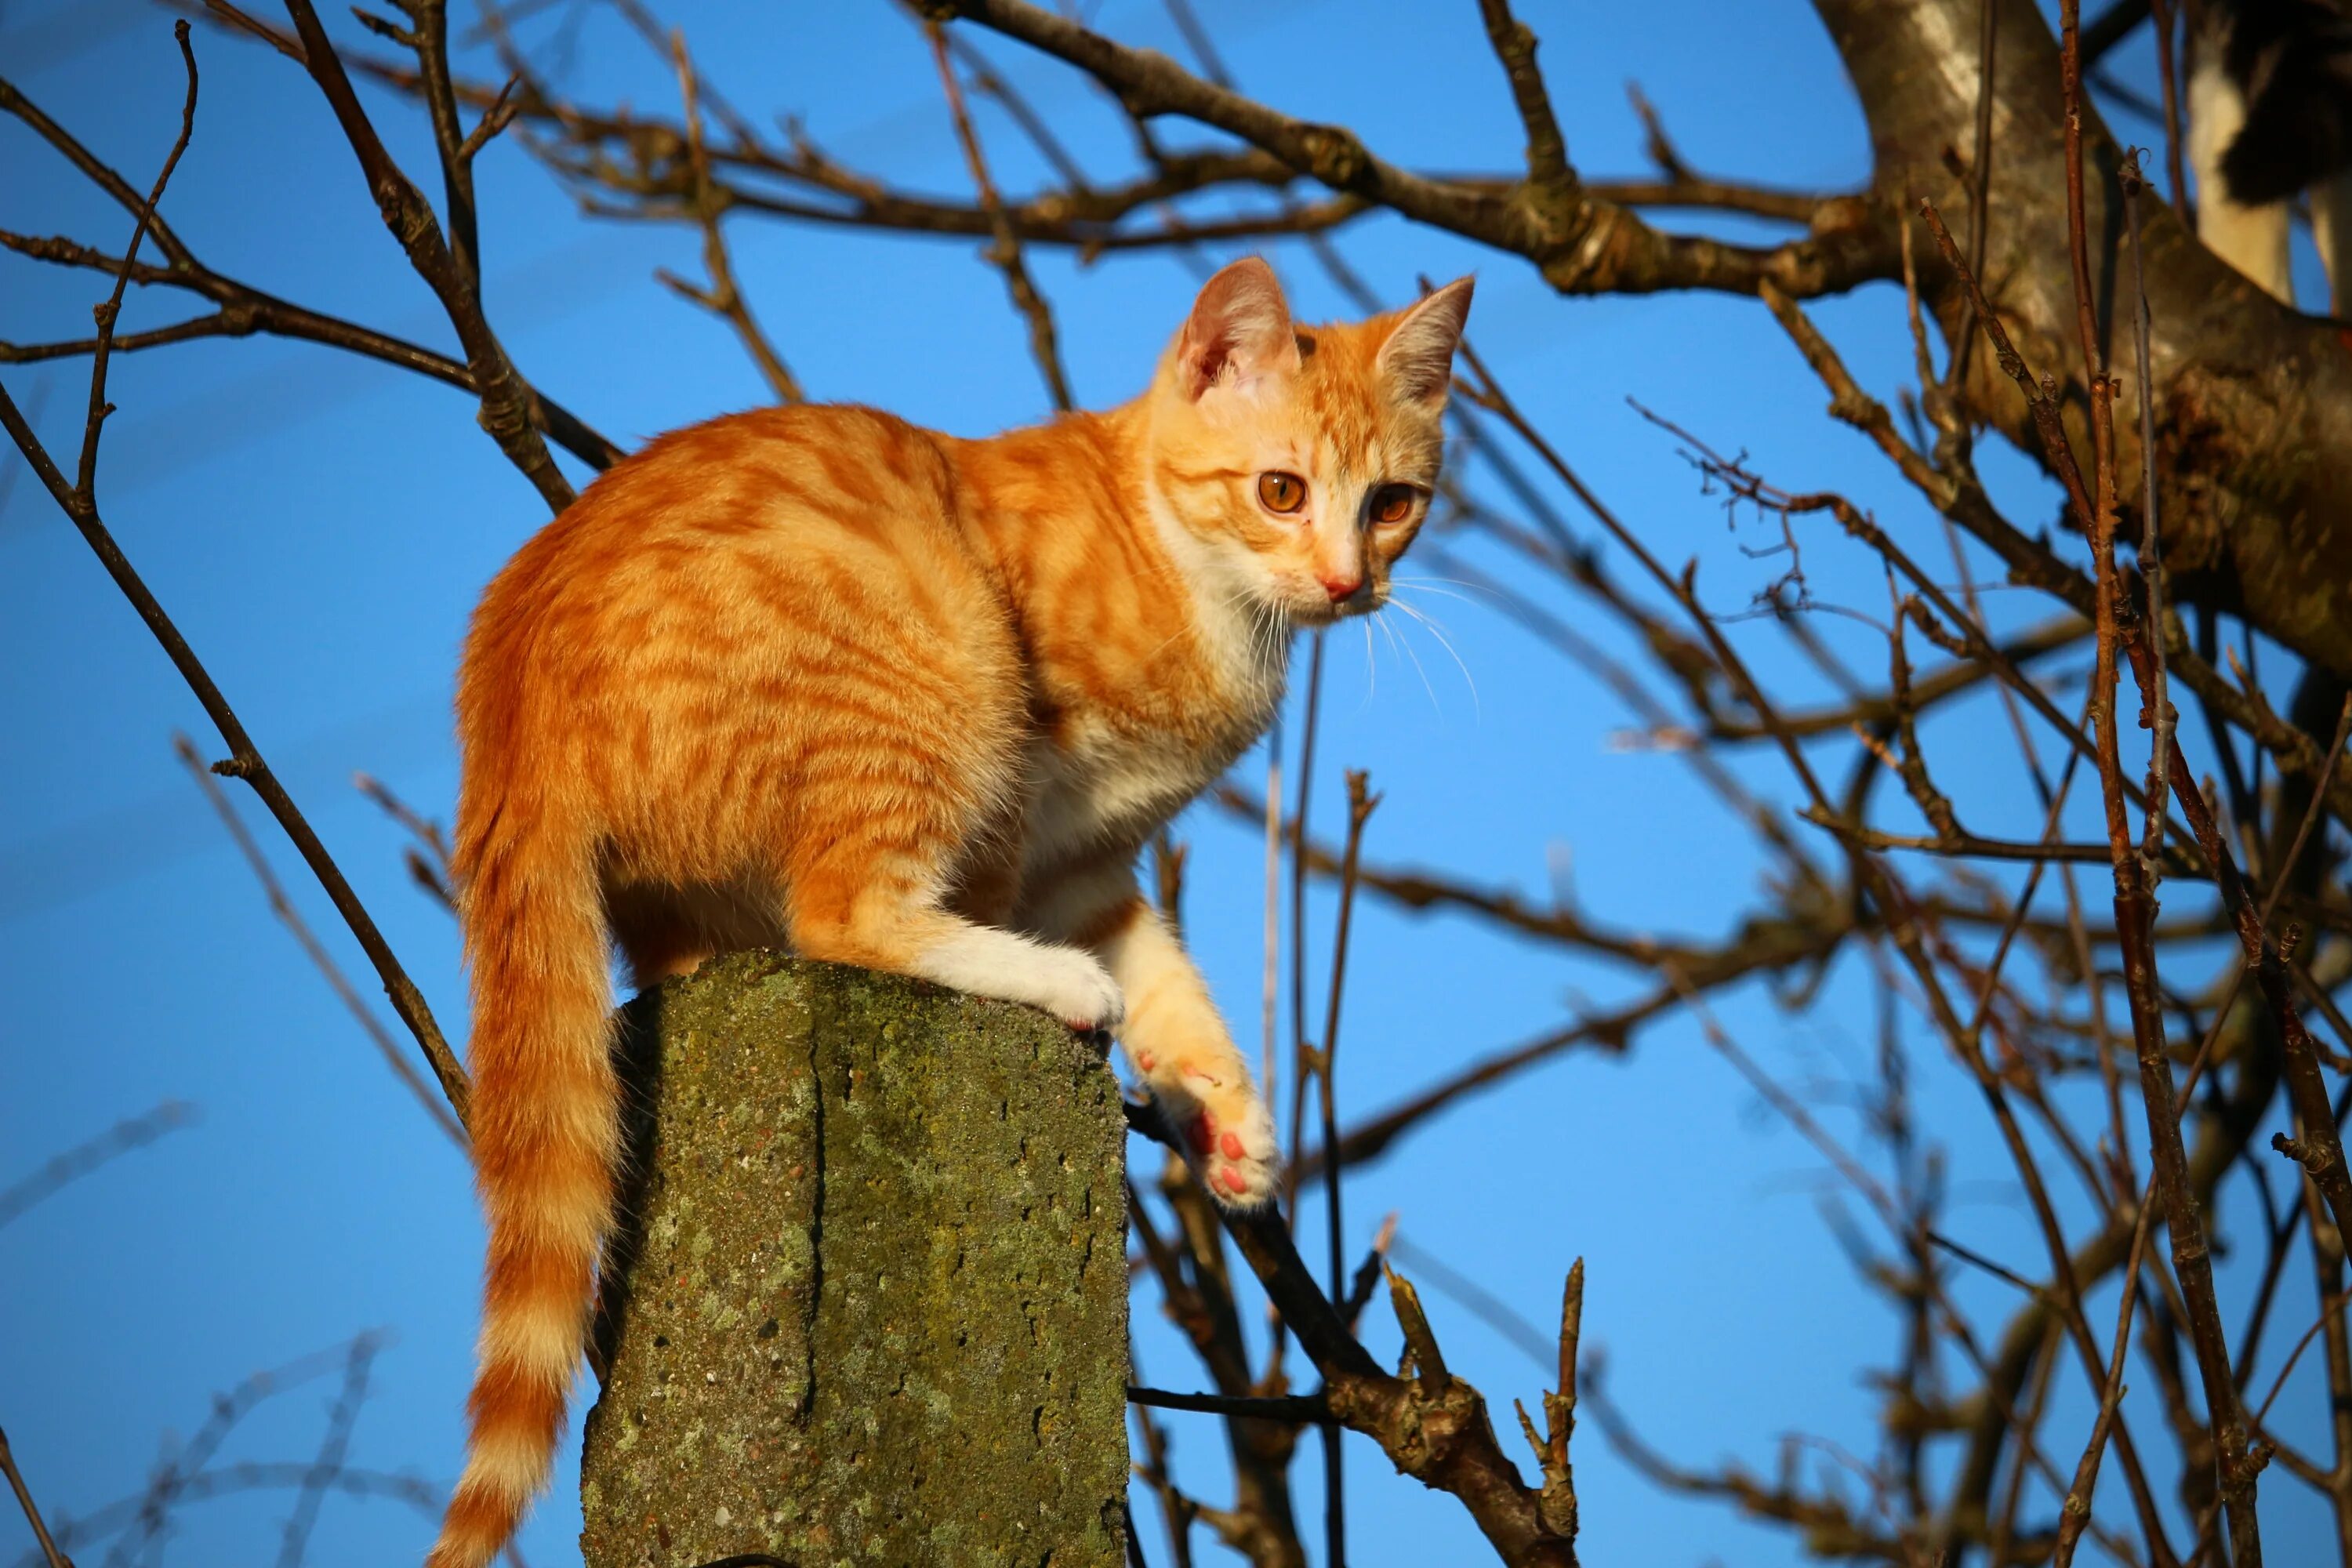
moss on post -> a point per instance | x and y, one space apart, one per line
872 1306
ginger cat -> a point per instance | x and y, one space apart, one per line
816 678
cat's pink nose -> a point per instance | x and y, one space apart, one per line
1341 588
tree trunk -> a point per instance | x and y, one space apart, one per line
2253 410
871 1304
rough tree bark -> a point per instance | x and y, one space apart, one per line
871 1306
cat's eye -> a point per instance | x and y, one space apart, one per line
1281 492
1393 503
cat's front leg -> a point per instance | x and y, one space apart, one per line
1180 1047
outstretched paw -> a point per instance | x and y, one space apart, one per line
1234 1154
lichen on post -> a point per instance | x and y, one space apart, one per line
870 1302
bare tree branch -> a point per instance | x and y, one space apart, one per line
507 398
78 500
49 1553
321 959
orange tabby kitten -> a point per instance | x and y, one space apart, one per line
816 678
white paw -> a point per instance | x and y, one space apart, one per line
1076 989
1072 985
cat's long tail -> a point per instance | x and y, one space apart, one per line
545 1119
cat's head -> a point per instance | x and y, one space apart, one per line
1300 461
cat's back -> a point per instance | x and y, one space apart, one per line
727 534
762 490
732 477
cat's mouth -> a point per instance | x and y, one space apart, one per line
1324 612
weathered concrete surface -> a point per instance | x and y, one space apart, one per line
875 1312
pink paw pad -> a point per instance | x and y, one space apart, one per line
1230 1145
1229 1178
1201 1132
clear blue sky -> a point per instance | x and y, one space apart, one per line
321 526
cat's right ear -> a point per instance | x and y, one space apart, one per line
1239 333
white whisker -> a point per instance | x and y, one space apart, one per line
1405 642
1396 640
1398 588
1269 624
1447 644
1421 582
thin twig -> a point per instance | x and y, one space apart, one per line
1301 1049
1980 189
2169 73
312 948
2156 711
1271 976
1477 1300
2077 1512
2319 1150
58 1171
427 859
1294 1408
251 1476
2327 1312
55 1558
506 397
723 298
331 1449
2134 903
182 1475
1004 249
1176 1509
1361 805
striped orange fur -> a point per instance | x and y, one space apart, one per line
813 678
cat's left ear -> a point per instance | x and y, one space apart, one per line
1417 362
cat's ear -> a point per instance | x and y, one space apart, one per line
1239 331
1417 362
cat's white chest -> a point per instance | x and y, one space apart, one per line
1098 790
1109 782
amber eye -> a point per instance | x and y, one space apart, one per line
1281 492
1393 503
